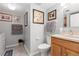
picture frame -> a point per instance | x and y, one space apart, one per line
52 15
38 17
5 17
17 29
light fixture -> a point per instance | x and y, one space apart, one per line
12 6
63 4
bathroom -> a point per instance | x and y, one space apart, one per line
35 33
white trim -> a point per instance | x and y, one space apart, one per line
8 46
32 54
3 52
28 52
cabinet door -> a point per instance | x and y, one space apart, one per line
71 53
56 50
64 51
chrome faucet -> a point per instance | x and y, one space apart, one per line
71 32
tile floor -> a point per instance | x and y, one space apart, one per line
18 51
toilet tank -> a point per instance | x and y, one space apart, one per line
48 39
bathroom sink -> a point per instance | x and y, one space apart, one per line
72 36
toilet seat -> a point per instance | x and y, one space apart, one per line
43 46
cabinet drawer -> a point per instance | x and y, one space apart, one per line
66 43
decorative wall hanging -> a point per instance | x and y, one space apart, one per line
17 29
65 21
5 17
38 16
52 15
15 19
26 19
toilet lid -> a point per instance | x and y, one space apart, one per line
43 46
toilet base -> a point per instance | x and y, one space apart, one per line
44 48
44 54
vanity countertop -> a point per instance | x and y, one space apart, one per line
67 37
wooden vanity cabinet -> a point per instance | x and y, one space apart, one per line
63 47
72 53
56 50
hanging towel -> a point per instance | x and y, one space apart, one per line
53 26
50 26
47 26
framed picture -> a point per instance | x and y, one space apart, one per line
52 15
5 17
38 16
17 29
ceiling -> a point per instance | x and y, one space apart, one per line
21 8
46 5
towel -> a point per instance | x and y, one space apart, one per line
51 26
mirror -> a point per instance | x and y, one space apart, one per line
74 19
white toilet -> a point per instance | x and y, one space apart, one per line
44 47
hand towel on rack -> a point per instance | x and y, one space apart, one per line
50 26
53 26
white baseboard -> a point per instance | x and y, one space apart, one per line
28 52
11 45
3 53
34 53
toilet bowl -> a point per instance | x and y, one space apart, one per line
44 47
